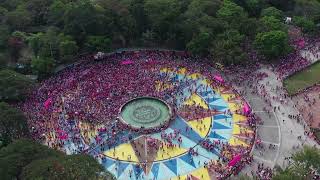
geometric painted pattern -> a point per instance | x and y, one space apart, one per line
208 116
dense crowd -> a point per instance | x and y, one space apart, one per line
300 58
94 90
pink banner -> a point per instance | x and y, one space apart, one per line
126 62
62 134
235 160
48 103
218 78
246 108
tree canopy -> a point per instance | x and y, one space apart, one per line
60 29
25 159
14 86
306 163
13 124
272 44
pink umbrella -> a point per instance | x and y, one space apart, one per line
235 160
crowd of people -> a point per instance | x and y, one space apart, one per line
94 90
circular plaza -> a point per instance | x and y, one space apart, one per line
145 114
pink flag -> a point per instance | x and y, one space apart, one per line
126 62
62 134
218 78
48 103
235 160
246 108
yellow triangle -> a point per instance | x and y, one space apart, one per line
233 141
234 106
163 86
201 126
92 130
195 76
201 173
182 71
206 82
238 129
122 152
239 118
196 100
166 153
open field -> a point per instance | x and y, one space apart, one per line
303 79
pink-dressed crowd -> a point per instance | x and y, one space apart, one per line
94 90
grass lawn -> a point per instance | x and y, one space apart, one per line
303 79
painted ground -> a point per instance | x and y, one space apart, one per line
208 132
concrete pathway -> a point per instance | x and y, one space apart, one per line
278 129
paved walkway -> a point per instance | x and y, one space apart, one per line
278 129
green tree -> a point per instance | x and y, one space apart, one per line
98 43
304 163
307 26
253 7
13 124
272 44
25 159
81 19
284 5
42 66
138 12
14 86
226 48
3 61
270 23
35 42
3 14
38 11
56 13
4 36
200 44
309 9
17 155
66 167
19 19
49 41
163 15
272 11
68 49
233 14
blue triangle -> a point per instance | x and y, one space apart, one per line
137 170
217 125
155 169
172 165
216 136
179 123
188 159
219 108
211 100
107 163
220 116
214 151
121 168
204 94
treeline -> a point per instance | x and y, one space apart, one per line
41 34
